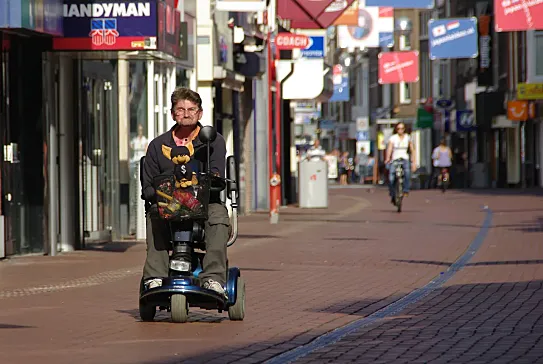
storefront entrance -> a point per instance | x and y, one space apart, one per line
21 136
98 167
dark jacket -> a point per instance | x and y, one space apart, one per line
157 163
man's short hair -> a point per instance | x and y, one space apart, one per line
183 93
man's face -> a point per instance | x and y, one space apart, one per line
186 113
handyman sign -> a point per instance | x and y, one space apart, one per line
109 25
107 10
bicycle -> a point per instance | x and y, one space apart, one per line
398 185
444 177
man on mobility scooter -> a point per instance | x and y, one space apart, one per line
184 153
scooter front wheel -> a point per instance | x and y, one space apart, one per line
147 312
236 312
179 308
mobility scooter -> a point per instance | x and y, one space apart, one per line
184 209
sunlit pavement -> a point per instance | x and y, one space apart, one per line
456 277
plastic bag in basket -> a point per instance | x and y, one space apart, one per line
179 203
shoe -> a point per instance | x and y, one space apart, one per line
214 286
153 283
393 200
406 194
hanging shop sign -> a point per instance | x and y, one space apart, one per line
169 37
42 16
289 41
239 6
341 85
518 15
403 4
453 38
396 67
530 91
485 75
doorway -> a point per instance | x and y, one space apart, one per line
98 145
21 135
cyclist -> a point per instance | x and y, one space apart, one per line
400 150
442 157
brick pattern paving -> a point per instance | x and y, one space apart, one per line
490 312
315 271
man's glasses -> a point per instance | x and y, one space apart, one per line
190 111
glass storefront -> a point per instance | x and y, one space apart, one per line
21 125
138 134
98 163
151 84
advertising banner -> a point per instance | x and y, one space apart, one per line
108 25
517 110
396 67
453 38
289 41
169 28
361 26
485 74
240 5
402 4
425 119
530 91
4 14
43 16
518 15
315 49
341 85
465 120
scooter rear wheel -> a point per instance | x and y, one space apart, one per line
237 311
179 308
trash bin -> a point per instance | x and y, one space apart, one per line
313 184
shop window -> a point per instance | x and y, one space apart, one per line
405 93
405 42
425 74
139 139
538 53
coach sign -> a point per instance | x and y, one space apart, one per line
290 41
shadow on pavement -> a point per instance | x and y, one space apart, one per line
476 264
195 315
483 323
504 192
359 308
349 239
534 226
9 326
113 247
257 236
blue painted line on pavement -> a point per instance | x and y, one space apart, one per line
392 309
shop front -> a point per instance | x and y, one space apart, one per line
125 66
26 106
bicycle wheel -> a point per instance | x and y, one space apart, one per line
444 182
399 193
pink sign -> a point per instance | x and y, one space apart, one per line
518 15
396 67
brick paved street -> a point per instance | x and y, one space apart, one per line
316 271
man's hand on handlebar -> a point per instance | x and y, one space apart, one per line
149 194
218 183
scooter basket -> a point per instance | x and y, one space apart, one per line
183 203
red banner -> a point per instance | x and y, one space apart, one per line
518 15
396 67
